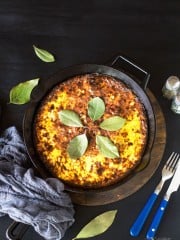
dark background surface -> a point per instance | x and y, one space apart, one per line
92 32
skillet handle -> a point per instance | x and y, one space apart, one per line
16 230
135 66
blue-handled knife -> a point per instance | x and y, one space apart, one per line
173 187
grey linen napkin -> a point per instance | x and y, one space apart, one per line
27 198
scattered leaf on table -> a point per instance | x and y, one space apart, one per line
44 55
106 147
21 93
77 146
70 118
112 123
96 108
98 225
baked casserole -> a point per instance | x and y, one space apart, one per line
92 169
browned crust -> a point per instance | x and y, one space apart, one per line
52 137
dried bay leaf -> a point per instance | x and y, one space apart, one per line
112 123
98 225
77 146
21 93
43 54
70 118
106 147
96 108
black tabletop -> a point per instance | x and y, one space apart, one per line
79 32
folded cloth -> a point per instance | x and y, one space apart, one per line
27 198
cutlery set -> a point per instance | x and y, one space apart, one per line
170 169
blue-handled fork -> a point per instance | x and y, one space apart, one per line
167 172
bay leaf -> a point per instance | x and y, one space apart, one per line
113 123
106 147
77 146
96 108
70 118
98 225
21 93
43 54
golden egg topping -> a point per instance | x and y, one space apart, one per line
92 170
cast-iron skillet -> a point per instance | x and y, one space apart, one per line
45 86
107 194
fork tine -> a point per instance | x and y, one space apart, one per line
170 160
175 163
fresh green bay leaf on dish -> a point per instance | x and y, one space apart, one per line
77 146
98 225
43 54
70 118
106 147
21 93
96 108
112 123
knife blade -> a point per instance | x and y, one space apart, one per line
173 187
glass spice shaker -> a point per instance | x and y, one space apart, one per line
171 87
175 106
